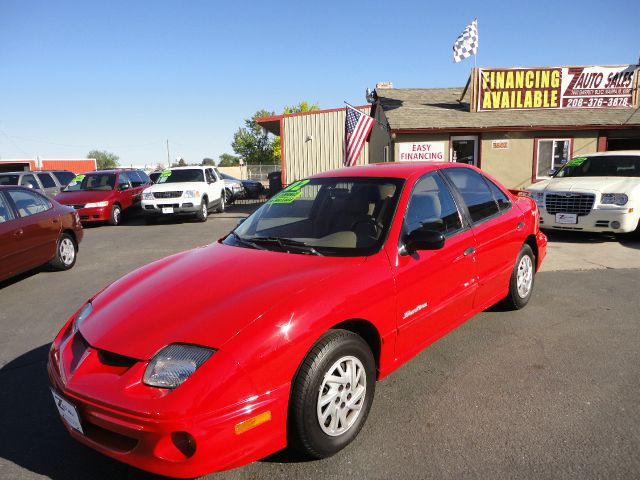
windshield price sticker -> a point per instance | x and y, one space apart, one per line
290 193
576 162
166 173
77 178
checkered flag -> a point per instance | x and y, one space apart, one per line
467 42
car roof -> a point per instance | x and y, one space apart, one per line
609 153
391 169
188 167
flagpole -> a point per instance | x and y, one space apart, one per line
374 119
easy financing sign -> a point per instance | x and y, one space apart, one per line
556 87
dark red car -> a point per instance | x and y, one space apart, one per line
35 230
103 196
179 369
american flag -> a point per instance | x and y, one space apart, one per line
357 126
466 43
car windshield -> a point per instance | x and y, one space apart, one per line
176 176
602 166
228 177
92 181
338 216
9 179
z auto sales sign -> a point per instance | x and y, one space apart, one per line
555 87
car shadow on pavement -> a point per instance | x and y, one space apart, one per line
629 240
33 436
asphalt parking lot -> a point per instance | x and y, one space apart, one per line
552 391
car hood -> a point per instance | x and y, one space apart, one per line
589 184
203 296
177 186
83 196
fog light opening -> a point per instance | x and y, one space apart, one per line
184 442
615 224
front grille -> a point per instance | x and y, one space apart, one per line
167 194
115 360
578 203
164 205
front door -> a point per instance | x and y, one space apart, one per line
464 150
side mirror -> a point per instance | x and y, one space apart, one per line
423 240
124 186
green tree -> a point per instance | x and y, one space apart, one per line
104 159
182 163
252 143
210 162
228 160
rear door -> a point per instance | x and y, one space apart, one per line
49 186
435 288
498 229
9 238
37 228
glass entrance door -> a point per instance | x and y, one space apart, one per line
464 149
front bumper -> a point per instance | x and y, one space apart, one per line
94 214
177 206
151 428
609 219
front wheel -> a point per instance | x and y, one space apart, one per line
223 202
332 394
66 252
203 213
522 279
116 215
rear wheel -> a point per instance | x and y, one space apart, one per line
116 215
203 213
332 394
522 279
66 251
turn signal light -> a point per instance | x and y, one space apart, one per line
253 422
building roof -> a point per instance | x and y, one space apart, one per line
432 109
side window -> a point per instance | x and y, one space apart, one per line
64 177
144 178
475 193
29 180
28 203
135 178
501 198
432 207
47 181
210 176
123 180
5 211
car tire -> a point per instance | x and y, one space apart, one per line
228 197
116 215
203 213
326 415
522 279
223 203
66 253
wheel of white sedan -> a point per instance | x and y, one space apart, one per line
332 394
522 279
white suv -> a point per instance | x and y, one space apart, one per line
598 192
185 190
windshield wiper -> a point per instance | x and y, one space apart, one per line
284 243
246 242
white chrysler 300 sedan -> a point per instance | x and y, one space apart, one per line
598 192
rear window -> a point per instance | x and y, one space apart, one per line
64 177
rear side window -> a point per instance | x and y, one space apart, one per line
28 203
47 181
64 178
144 178
29 181
432 207
501 198
9 179
475 193
5 212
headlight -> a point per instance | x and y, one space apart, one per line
81 316
538 197
147 196
191 194
96 204
614 199
174 364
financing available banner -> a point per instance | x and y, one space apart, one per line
555 87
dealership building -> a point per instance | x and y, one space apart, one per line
75 165
515 123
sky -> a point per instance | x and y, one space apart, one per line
126 76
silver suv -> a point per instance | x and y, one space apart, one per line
49 182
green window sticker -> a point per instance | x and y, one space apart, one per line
290 193
576 162
77 178
166 173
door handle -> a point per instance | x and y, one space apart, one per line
520 226
54 220
469 251
18 233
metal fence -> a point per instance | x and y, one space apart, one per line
261 172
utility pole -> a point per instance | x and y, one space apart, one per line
168 155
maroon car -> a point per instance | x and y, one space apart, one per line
35 230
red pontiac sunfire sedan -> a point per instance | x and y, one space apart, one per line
354 272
